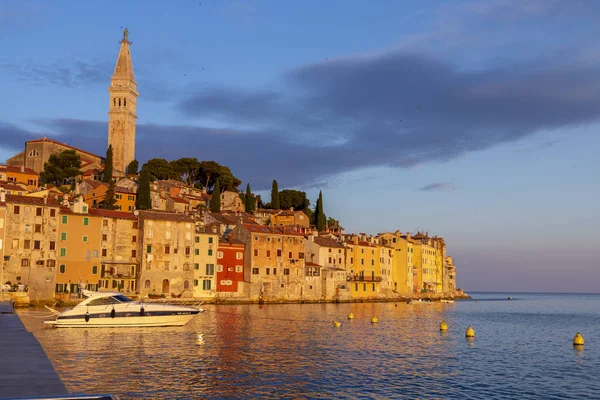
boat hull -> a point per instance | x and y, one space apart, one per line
122 322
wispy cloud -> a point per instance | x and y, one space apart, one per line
436 186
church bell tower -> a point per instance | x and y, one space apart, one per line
121 114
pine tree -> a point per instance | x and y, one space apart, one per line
143 200
108 165
249 200
275 196
109 202
132 168
215 200
320 219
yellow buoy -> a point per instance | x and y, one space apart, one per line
350 316
337 324
578 340
374 320
443 326
470 332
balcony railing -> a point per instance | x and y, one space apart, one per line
361 278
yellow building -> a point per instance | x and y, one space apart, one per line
206 243
125 199
290 218
78 249
402 271
363 264
425 262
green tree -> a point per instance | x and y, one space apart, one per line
275 196
293 198
320 219
107 176
143 200
160 169
186 169
210 171
132 168
60 167
332 222
215 199
250 200
109 202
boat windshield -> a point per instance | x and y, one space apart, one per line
122 299
102 301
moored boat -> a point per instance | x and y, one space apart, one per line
447 301
113 309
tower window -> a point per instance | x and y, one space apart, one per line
119 102
114 101
124 102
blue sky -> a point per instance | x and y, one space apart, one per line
473 120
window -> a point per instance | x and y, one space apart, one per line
166 265
95 253
38 211
268 253
255 252
196 252
37 244
25 262
254 271
210 240
268 271
65 219
219 268
286 271
52 245
167 249
62 268
34 153
195 282
84 209
238 268
219 254
290 255
16 210
85 238
278 252
104 252
94 269
133 253
63 236
27 244
186 285
206 283
188 251
372 262
134 225
210 252
210 269
274 271
51 263
147 284
63 252
149 249
134 239
37 228
239 255
196 266
362 261
86 221
197 239
186 266
53 213
105 222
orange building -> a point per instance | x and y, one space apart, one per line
20 175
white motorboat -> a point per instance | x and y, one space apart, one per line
447 301
420 301
113 309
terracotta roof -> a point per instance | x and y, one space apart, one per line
165 216
311 264
96 184
222 219
45 139
123 189
271 230
12 186
68 211
233 242
9 168
50 201
113 213
178 200
361 243
328 242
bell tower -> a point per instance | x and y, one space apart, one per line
121 114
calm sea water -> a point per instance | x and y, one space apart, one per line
522 350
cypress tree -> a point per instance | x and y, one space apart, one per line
320 219
249 200
215 200
143 200
108 165
109 202
275 196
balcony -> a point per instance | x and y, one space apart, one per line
360 278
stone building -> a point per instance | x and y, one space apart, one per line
120 251
449 275
122 110
166 244
273 261
290 218
231 201
30 243
78 249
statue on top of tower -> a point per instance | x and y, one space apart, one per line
126 35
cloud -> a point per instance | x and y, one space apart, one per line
435 186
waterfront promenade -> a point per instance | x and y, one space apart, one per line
25 369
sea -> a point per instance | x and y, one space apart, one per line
522 349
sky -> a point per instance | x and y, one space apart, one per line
472 120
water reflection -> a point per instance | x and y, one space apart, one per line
294 351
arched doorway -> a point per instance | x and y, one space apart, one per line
165 286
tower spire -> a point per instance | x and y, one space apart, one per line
122 109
